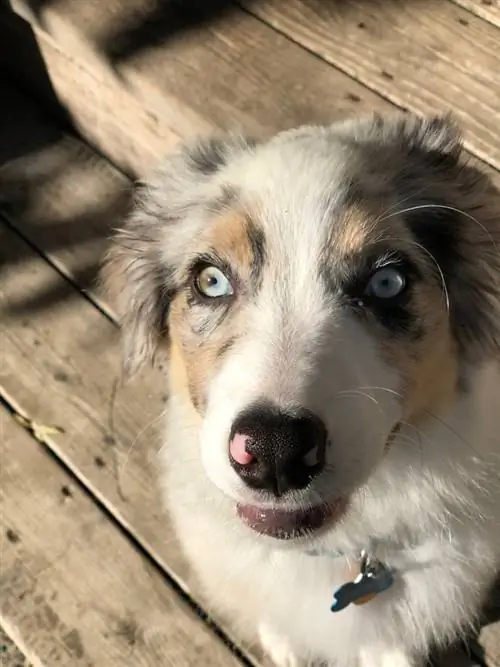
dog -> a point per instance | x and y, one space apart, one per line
329 301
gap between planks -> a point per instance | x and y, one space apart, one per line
488 10
75 592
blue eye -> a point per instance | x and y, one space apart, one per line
212 283
386 283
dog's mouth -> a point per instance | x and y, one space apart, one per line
289 524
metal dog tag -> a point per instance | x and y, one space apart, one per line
374 578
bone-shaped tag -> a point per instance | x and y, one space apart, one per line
367 585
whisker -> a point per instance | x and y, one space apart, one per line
346 393
143 430
436 263
386 389
469 216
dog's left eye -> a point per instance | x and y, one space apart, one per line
386 283
212 283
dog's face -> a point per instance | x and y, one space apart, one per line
314 292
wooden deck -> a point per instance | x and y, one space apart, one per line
90 573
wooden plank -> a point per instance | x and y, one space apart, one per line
135 102
10 656
74 591
102 110
490 634
424 56
67 197
490 644
489 10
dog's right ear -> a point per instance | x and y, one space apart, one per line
139 270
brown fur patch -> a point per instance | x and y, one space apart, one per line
357 230
229 235
428 364
198 353
196 357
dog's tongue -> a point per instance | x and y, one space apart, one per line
283 524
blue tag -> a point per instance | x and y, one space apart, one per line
364 588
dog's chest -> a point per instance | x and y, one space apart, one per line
300 591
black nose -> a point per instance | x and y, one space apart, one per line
276 451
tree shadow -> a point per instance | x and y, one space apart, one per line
58 195
151 25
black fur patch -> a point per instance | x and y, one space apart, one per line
441 231
257 243
208 156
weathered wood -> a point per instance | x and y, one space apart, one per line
60 363
486 9
490 644
490 633
423 56
74 591
101 108
66 198
134 101
10 656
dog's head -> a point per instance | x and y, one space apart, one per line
313 293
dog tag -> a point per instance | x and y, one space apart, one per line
373 579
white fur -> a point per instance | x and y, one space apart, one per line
431 500
435 507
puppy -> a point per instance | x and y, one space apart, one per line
330 304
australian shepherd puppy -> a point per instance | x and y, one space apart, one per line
330 304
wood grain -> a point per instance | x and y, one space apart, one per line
10 656
102 110
424 56
486 9
178 82
74 592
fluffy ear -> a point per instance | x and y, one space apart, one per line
435 137
453 211
139 269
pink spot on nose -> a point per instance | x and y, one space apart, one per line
238 449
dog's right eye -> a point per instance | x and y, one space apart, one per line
386 283
211 283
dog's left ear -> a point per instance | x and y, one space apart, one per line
139 270
435 140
